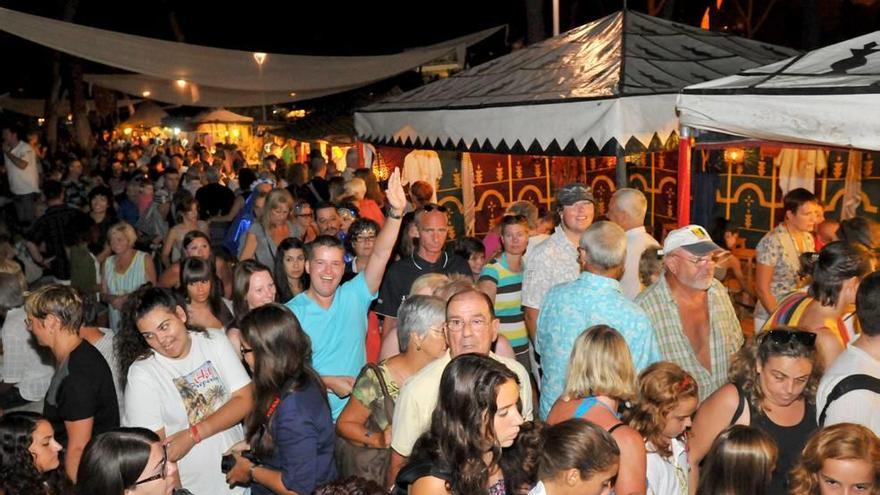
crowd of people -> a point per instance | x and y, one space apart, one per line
175 320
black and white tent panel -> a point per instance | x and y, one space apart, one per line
829 96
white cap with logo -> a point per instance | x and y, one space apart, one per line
693 238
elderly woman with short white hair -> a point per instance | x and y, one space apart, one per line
124 271
354 192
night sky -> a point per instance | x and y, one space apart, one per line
376 27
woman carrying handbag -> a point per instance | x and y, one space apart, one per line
363 447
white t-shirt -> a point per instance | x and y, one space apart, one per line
637 241
668 476
206 377
852 361
25 181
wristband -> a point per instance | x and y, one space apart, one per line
392 215
194 433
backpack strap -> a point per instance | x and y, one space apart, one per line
741 406
847 385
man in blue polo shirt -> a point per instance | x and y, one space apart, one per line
335 316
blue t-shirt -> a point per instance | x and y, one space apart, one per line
304 438
339 333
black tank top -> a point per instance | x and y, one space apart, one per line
790 440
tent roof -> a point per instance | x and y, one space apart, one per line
147 114
221 116
223 68
811 98
569 91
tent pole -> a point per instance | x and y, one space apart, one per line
620 168
684 176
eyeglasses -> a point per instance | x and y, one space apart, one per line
456 325
786 336
716 257
244 350
28 323
432 207
162 473
304 215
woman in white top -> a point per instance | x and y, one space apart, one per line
185 384
577 458
666 402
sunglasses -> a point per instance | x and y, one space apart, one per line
244 350
787 336
433 207
162 473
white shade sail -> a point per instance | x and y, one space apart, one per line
829 96
599 85
218 67
192 94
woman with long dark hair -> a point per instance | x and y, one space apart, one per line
835 273
185 383
127 461
197 244
290 269
290 430
201 291
477 415
740 462
29 463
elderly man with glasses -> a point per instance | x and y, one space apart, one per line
471 327
691 311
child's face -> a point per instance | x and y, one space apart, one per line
599 483
477 261
679 419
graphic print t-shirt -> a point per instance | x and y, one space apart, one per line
176 393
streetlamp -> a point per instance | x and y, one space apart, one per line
260 57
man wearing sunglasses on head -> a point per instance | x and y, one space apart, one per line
430 257
691 311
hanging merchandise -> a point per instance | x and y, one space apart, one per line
798 168
422 165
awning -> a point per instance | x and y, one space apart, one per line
608 84
828 96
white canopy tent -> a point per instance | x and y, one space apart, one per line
812 98
223 68
595 87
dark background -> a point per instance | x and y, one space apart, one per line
376 27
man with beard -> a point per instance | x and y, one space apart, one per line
690 310
335 316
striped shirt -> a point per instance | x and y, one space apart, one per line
508 301
725 333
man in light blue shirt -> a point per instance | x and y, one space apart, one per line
335 316
594 298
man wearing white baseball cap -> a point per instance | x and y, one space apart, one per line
690 310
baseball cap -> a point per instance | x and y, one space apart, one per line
693 238
573 192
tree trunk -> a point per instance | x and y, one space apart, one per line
82 130
53 100
536 30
